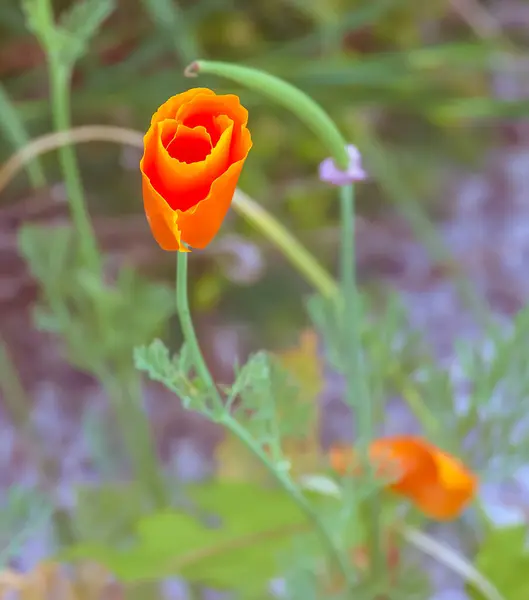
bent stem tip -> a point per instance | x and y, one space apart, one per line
193 69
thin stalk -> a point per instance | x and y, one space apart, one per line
188 330
333 549
186 323
356 385
296 253
303 260
60 101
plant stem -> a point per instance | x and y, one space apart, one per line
265 222
333 549
186 323
356 394
60 100
299 256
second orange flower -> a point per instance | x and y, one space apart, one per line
436 482
194 152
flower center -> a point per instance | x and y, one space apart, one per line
188 147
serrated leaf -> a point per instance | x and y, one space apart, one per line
80 23
503 559
278 397
173 372
48 256
108 514
254 525
37 17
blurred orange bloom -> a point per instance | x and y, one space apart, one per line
436 482
193 155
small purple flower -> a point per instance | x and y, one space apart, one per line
330 173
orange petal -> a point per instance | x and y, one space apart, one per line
406 460
455 486
205 109
194 151
184 185
436 482
161 217
171 106
200 224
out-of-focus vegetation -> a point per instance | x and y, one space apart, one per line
416 76
412 84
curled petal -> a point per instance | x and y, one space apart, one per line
200 224
194 152
162 219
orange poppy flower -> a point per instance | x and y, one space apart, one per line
193 155
436 482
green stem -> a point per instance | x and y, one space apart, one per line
286 95
296 253
60 100
333 548
188 330
186 323
357 394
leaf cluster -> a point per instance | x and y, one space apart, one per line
67 39
100 322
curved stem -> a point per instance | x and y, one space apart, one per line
284 94
226 420
249 209
357 394
186 323
453 561
296 253
60 99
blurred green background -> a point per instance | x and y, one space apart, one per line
429 91
409 82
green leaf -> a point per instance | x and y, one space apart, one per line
269 397
93 316
504 560
80 23
253 527
66 41
174 373
108 514
48 256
